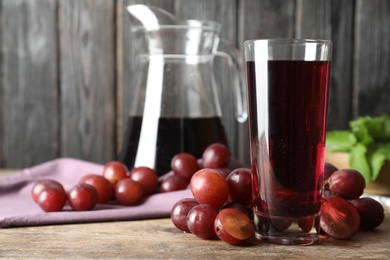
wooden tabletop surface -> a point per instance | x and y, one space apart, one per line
159 239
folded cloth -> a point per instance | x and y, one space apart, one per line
18 209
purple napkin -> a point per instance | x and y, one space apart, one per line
18 209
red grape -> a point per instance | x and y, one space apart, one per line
82 197
306 224
200 221
40 185
233 226
128 192
180 211
52 198
339 218
371 212
173 183
145 176
240 186
216 156
240 206
348 184
184 165
208 186
329 169
115 171
281 224
103 187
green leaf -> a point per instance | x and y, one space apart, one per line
369 130
358 161
340 141
378 157
384 136
360 129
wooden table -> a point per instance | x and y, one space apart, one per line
156 239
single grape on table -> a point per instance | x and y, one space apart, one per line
52 197
145 176
115 171
82 197
339 218
128 192
40 185
216 156
173 183
184 165
371 212
347 183
233 226
208 186
240 186
200 221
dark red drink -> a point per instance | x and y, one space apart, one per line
174 135
288 127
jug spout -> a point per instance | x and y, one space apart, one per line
151 17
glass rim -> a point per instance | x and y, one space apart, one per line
183 25
289 41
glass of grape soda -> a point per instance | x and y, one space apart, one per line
288 86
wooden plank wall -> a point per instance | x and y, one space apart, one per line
66 67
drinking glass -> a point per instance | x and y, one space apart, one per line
288 85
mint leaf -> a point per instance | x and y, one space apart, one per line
384 135
374 126
377 158
340 141
358 161
360 129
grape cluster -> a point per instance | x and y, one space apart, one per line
344 211
184 165
115 183
221 203
128 188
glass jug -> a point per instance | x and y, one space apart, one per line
175 107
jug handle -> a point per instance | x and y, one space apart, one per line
237 72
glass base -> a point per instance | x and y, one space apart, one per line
287 231
288 240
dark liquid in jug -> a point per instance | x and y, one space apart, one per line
175 135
